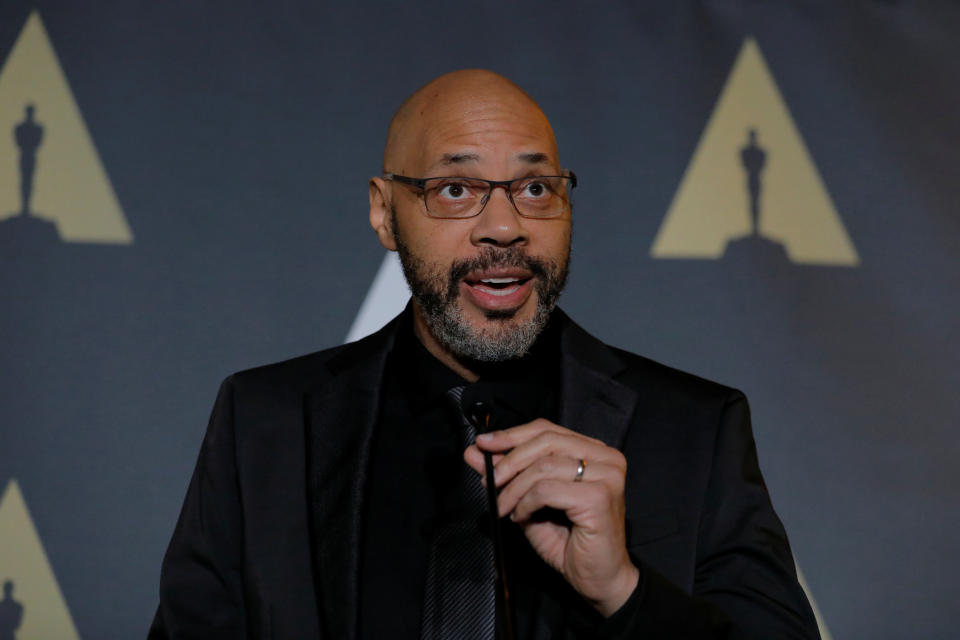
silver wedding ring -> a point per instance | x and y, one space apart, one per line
581 465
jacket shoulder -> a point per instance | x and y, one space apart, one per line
310 370
646 376
678 409
289 372
674 407
649 375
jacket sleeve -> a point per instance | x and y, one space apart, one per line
201 586
745 583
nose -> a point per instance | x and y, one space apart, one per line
499 224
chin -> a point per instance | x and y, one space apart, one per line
494 336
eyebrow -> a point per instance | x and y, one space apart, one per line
534 158
530 157
458 158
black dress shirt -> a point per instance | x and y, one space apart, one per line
416 458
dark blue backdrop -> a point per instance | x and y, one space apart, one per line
238 138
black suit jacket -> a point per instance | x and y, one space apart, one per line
267 544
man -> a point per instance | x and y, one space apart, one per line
327 485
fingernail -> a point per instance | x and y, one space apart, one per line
485 436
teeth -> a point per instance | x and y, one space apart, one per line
500 292
498 280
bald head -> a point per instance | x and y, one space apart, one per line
469 106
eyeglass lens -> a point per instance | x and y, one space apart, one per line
535 197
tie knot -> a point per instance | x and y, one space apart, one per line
455 395
474 419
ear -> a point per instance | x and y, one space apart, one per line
380 218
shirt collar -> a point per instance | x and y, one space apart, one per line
520 390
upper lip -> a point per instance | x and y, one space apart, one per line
509 272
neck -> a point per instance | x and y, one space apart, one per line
437 350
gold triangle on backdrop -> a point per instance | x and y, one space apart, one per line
821 625
24 566
70 185
387 296
712 206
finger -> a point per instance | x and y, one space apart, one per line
473 456
586 504
506 439
560 469
553 443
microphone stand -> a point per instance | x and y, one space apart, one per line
504 614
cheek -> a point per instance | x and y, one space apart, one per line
442 243
555 240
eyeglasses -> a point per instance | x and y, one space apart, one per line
459 197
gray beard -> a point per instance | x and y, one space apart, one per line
436 295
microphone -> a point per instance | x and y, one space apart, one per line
482 418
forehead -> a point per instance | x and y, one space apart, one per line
489 132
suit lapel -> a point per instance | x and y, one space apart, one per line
595 404
341 415
592 401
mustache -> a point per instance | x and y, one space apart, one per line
490 258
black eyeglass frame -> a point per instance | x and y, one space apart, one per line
421 183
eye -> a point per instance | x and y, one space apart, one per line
455 190
535 189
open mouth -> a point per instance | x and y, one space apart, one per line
498 289
498 286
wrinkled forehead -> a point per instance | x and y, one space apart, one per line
493 131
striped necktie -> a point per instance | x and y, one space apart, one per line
459 597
